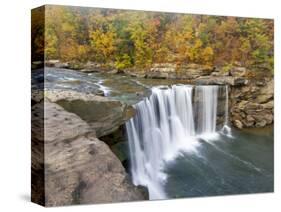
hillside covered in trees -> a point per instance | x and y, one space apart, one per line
125 39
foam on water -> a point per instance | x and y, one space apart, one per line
165 125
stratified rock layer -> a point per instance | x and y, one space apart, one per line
102 114
251 98
78 167
253 105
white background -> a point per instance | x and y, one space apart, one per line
15 104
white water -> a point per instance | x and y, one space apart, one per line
207 98
165 125
226 130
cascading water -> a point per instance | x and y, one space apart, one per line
164 125
206 106
226 129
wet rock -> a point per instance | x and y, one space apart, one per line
51 63
88 70
160 75
56 64
118 143
139 75
100 92
102 114
121 150
249 121
115 71
238 124
261 123
268 118
91 67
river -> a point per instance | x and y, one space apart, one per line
236 163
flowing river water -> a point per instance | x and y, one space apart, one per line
176 147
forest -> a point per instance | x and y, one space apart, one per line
127 38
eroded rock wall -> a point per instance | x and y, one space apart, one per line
253 105
251 98
70 165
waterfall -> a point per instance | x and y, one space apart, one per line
226 130
165 124
207 98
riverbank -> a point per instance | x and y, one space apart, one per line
78 167
86 113
251 92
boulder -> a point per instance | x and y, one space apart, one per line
248 121
91 67
115 71
261 123
268 105
51 63
163 67
269 118
76 65
219 73
214 80
203 68
250 118
56 64
37 65
104 115
172 71
252 106
78 167
266 93
241 105
239 81
159 75
37 95
135 74
238 71
62 65
238 124
217 78
263 118
193 71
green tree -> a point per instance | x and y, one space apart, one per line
137 38
103 44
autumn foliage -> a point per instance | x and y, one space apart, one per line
138 39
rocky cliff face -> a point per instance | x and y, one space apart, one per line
77 167
253 105
251 99
102 114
